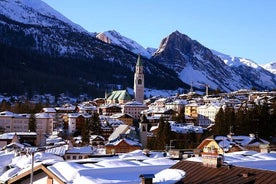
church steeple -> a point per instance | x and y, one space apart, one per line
139 81
139 65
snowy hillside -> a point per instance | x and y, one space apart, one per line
235 61
249 70
43 37
34 12
113 37
270 67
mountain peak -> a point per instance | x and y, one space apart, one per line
271 67
176 40
234 61
115 38
34 12
195 63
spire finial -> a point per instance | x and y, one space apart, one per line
139 63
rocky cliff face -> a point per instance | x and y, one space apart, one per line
197 64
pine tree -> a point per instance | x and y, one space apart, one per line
32 123
95 124
265 128
160 138
229 121
85 132
180 117
219 119
272 122
5 106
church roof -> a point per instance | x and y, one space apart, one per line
139 63
119 95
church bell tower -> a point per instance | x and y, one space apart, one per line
139 82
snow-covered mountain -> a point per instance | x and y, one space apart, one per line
197 64
235 61
35 12
64 56
33 27
249 70
113 37
270 67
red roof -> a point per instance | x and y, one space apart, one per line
196 173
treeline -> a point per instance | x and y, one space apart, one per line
22 107
28 72
254 118
166 139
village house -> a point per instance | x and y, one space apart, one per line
97 141
124 139
176 105
233 143
62 112
134 109
207 113
12 122
52 111
122 145
106 130
44 127
41 175
76 121
99 101
87 108
155 113
191 110
252 142
160 102
109 109
28 138
124 117
210 145
76 153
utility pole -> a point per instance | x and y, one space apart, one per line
171 144
32 170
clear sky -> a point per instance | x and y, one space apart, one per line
245 28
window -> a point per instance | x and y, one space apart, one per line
139 81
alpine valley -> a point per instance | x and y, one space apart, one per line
41 51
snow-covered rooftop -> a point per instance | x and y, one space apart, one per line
248 159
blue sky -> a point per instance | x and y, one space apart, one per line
245 28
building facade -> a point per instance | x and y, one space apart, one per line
207 114
134 109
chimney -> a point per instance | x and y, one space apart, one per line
146 178
212 159
245 175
